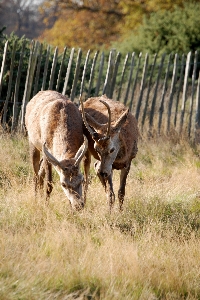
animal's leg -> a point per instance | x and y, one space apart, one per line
86 166
48 172
35 160
107 184
41 174
110 191
121 191
102 179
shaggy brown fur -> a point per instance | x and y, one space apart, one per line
114 152
53 121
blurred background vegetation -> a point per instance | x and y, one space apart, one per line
153 26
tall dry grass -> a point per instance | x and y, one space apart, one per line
149 251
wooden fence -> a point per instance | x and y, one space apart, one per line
162 92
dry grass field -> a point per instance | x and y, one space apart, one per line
149 251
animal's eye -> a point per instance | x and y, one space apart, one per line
112 150
63 184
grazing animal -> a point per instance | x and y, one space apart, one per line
55 129
112 134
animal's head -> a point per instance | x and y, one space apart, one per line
70 177
106 139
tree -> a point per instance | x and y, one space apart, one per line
167 31
21 17
90 24
79 24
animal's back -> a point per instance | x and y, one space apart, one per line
54 119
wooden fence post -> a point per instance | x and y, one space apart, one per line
29 80
114 84
161 107
135 82
3 66
45 69
187 70
153 104
68 71
61 69
16 94
77 71
92 73
100 75
129 78
109 74
122 76
148 90
53 68
84 72
9 85
173 83
197 117
179 89
142 85
192 94
38 71
114 76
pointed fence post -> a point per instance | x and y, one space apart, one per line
46 69
84 72
99 75
16 94
148 90
53 69
29 80
129 78
9 85
122 76
197 117
193 90
153 104
185 86
142 85
161 106
172 90
109 74
135 82
92 73
114 77
3 65
68 71
38 71
179 89
61 69
76 75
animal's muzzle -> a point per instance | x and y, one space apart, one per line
79 206
103 174
99 171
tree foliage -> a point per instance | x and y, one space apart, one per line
167 31
86 26
90 24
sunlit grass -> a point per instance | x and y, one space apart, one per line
149 251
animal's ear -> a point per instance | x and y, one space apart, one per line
120 122
49 156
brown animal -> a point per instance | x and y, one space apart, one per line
112 134
54 126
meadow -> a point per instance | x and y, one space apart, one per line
149 251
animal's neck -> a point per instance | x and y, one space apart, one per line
122 150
